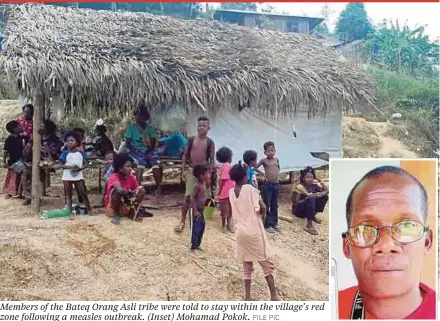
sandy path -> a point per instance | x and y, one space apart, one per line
390 147
90 259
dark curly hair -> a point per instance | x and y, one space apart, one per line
74 135
80 131
102 129
238 173
30 106
120 160
249 156
224 155
268 144
199 171
203 118
304 171
11 125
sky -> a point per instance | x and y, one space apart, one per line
414 14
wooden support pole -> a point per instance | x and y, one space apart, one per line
36 152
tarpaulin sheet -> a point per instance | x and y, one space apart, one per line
241 131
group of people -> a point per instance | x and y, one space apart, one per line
73 152
70 152
244 210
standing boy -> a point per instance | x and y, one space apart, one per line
198 199
74 162
199 150
271 166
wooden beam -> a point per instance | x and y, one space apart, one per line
36 152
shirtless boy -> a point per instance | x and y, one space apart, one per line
198 199
199 150
271 166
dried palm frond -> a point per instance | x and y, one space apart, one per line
112 60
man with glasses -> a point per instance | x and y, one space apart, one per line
386 241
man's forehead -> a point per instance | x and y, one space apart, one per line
389 190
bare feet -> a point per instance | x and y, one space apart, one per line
8 196
311 230
317 220
116 219
224 230
270 230
27 202
179 228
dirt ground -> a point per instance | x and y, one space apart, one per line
91 259
363 139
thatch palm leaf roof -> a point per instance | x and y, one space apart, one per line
114 59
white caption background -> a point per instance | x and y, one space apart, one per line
161 311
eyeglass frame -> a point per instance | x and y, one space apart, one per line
388 227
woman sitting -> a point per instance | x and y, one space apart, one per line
141 142
123 194
309 198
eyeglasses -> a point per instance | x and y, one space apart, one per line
404 232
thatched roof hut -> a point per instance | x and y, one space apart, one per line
112 60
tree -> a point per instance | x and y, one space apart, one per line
353 23
322 28
403 49
245 6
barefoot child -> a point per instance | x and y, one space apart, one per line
199 150
248 211
224 156
198 199
271 166
13 148
74 162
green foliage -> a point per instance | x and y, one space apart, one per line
322 29
414 98
399 89
353 23
245 6
403 49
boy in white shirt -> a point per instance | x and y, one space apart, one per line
74 162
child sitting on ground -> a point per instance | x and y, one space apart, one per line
198 199
224 156
248 211
123 194
74 163
271 166
14 146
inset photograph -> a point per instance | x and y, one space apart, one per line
383 232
